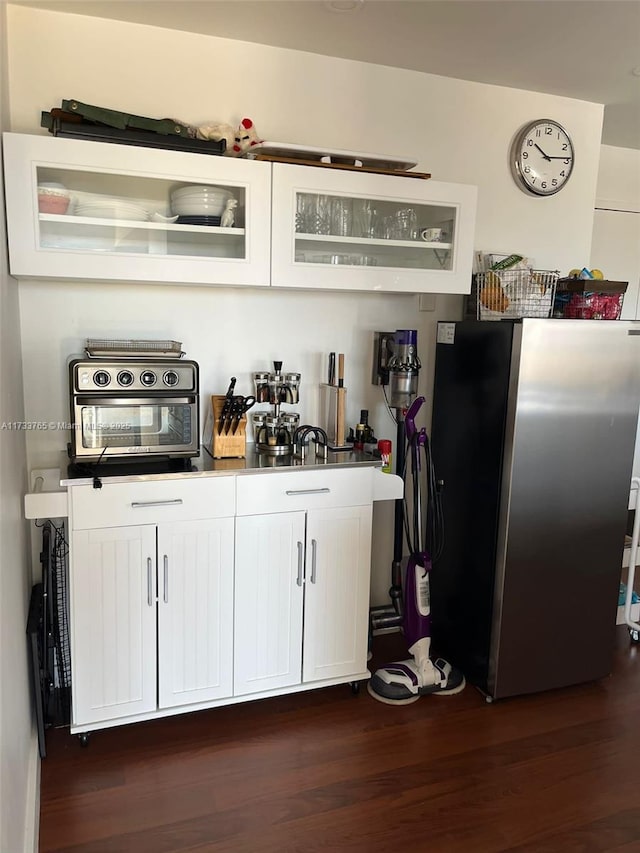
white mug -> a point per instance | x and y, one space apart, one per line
431 235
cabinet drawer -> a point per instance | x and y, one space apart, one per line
120 504
263 493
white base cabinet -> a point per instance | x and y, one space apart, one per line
113 623
195 611
124 596
301 597
173 611
269 594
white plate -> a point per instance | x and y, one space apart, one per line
112 211
333 155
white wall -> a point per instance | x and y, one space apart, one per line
618 185
458 131
615 246
19 768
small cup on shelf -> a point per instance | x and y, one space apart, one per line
53 200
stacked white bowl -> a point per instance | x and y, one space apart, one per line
200 201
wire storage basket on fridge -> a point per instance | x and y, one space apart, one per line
510 294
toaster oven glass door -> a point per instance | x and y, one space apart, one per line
125 426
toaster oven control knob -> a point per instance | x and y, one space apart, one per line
101 378
125 378
170 378
148 378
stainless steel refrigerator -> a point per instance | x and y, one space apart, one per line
533 433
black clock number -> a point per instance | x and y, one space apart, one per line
527 169
565 146
525 154
554 182
567 161
529 142
544 185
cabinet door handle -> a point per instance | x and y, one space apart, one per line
307 491
138 504
314 547
166 579
149 582
300 563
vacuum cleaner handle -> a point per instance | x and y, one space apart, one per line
410 418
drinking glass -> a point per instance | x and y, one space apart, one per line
362 217
406 224
320 219
341 216
304 212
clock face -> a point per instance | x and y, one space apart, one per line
542 157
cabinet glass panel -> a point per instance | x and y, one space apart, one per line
87 211
336 229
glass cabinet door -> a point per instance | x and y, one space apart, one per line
352 230
364 231
103 211
89 211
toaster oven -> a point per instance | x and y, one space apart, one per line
131 409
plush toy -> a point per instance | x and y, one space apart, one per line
238 141
245 137
216 132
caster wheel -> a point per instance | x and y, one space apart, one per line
635 635
488 700
355 687
84 739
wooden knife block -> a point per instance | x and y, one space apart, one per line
333 404
225 446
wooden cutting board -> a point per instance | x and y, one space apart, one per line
273 158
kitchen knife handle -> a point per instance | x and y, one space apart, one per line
324 491
149 582
300 564
332 368
314 548
341 369
166 579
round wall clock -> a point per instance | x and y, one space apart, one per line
542 157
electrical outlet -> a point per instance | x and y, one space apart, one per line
382 352
427 302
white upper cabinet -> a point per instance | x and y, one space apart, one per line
107 212
99 211
349 230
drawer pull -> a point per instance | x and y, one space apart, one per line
307 491
149 582
300 563
166 579
314 547
139 504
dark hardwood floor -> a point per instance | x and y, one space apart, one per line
327 771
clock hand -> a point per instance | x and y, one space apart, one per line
562 157
541 151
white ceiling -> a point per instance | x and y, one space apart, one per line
585 49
